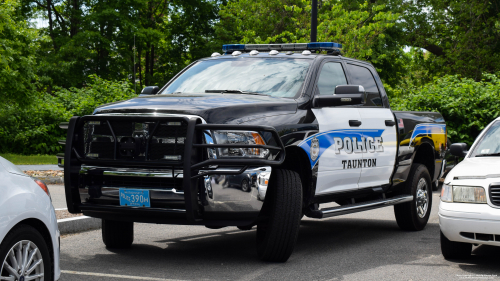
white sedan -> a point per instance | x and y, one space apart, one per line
469 212
29 238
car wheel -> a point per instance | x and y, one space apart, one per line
117 234
245 186
277 236
25 255
454 250
414 215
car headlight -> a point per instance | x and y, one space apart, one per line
447 193
263 179
240 137
463 194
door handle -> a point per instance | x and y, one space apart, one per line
354 123
390 123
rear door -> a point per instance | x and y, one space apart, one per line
331 149
378 125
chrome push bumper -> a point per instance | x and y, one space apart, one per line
223 192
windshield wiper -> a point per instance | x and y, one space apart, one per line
234 92
488 154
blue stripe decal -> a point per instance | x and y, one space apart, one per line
428 129
325 139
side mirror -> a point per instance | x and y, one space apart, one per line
150 90
344 95
458 149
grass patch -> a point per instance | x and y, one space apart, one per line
31 159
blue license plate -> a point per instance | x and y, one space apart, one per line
134 198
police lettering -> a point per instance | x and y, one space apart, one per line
359 163
350 145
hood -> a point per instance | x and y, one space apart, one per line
214 108
476 168
11 168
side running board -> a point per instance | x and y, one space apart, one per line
358 207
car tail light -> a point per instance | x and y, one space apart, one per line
43 186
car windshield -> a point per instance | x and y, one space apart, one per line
489 145
275 77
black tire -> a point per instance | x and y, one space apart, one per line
406 214
26 232
245 186
117 234
277 236
454 250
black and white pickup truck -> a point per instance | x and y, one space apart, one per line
258 136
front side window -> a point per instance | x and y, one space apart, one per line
363 76
332 75
270 76
489 145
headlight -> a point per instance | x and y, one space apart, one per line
240 137
447 193
463 194
263 178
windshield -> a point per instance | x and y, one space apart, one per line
270 76
489 145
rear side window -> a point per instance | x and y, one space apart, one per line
363 76
332 74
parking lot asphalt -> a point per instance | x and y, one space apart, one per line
362 246
58 196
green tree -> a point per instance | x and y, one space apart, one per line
368 31
90 37
18 45
462 37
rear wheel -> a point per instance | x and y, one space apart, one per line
24 255
454 250
414 215
277 236
117 234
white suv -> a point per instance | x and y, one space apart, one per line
469 212
29 238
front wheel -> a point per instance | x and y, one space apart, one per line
454 250
277 236
117 234
245 187
24 255
414 215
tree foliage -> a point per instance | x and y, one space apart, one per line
18 45
35 129
98 37
463 37
466 105
367 30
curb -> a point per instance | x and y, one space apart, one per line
51 180
78 224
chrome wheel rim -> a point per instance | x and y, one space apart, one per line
422 197
244 186
23 262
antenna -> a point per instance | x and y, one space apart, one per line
314 21
135 85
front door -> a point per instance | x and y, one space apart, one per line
333 150
379 131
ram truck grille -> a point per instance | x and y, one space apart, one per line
133 141
495 194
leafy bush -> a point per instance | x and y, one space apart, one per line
35 129
466 105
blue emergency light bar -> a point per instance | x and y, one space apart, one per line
282 47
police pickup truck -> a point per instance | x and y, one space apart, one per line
258 136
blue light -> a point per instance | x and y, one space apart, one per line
233 47
324 46
281 47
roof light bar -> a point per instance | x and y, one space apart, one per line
282 47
